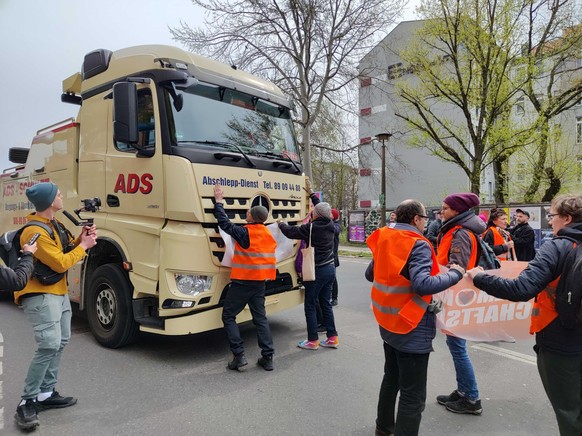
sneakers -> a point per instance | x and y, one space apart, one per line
26 416
331 342
266 362
309 345
463 405
237 362
55 401
454 396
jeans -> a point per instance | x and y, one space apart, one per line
466 381
239 295
320 290
562 380
50 316
404 372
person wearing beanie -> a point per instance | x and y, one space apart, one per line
319 233
45 297
253 263
457 244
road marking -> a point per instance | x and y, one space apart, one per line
525 358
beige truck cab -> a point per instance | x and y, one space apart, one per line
157 128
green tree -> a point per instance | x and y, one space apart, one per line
550 76
461 60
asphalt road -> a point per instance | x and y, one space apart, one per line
180 385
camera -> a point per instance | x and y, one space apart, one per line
91 204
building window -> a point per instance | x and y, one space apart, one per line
365 81
520 105
520 173
578 130
395 71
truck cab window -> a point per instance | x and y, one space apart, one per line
146 123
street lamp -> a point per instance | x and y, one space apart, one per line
383 137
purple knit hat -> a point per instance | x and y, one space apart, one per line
462 201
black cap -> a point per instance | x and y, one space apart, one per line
525 212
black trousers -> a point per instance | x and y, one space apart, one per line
404 372
562 380
239 295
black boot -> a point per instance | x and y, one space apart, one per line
237 362
266 362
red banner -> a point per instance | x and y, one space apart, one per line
474 315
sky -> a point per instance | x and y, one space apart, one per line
43 42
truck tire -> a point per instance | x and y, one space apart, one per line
109 308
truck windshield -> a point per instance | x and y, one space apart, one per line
217 117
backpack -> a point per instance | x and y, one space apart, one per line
486 258
569 290
10 243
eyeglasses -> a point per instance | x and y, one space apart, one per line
422 216
550 216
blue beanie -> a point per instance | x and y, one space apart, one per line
42 195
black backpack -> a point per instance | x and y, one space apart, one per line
569 290
487 258
10 243
485 255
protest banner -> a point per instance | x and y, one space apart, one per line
472 314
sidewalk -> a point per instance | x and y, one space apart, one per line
363 249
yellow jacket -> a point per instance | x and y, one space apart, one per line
49 252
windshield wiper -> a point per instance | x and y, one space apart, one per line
282 157
231 145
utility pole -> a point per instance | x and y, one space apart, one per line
383 137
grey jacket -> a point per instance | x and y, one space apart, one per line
460 251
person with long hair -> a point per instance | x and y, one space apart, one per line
497 237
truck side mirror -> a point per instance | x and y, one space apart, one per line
125 127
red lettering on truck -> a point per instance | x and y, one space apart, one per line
134 183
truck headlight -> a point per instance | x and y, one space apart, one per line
192 285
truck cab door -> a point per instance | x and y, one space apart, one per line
134 180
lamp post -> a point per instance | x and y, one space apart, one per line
383 137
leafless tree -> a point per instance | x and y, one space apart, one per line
307 47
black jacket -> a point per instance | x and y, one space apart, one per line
16 279
322 236
544 268
524 239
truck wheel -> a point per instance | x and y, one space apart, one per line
109 309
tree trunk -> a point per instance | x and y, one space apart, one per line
538 168
500 181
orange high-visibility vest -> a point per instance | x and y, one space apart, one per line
544 308
396 306
444 246
498 239
258 262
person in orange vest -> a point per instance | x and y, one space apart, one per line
496 236
559 350
405 275
457 243
253 263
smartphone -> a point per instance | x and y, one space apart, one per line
33 239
